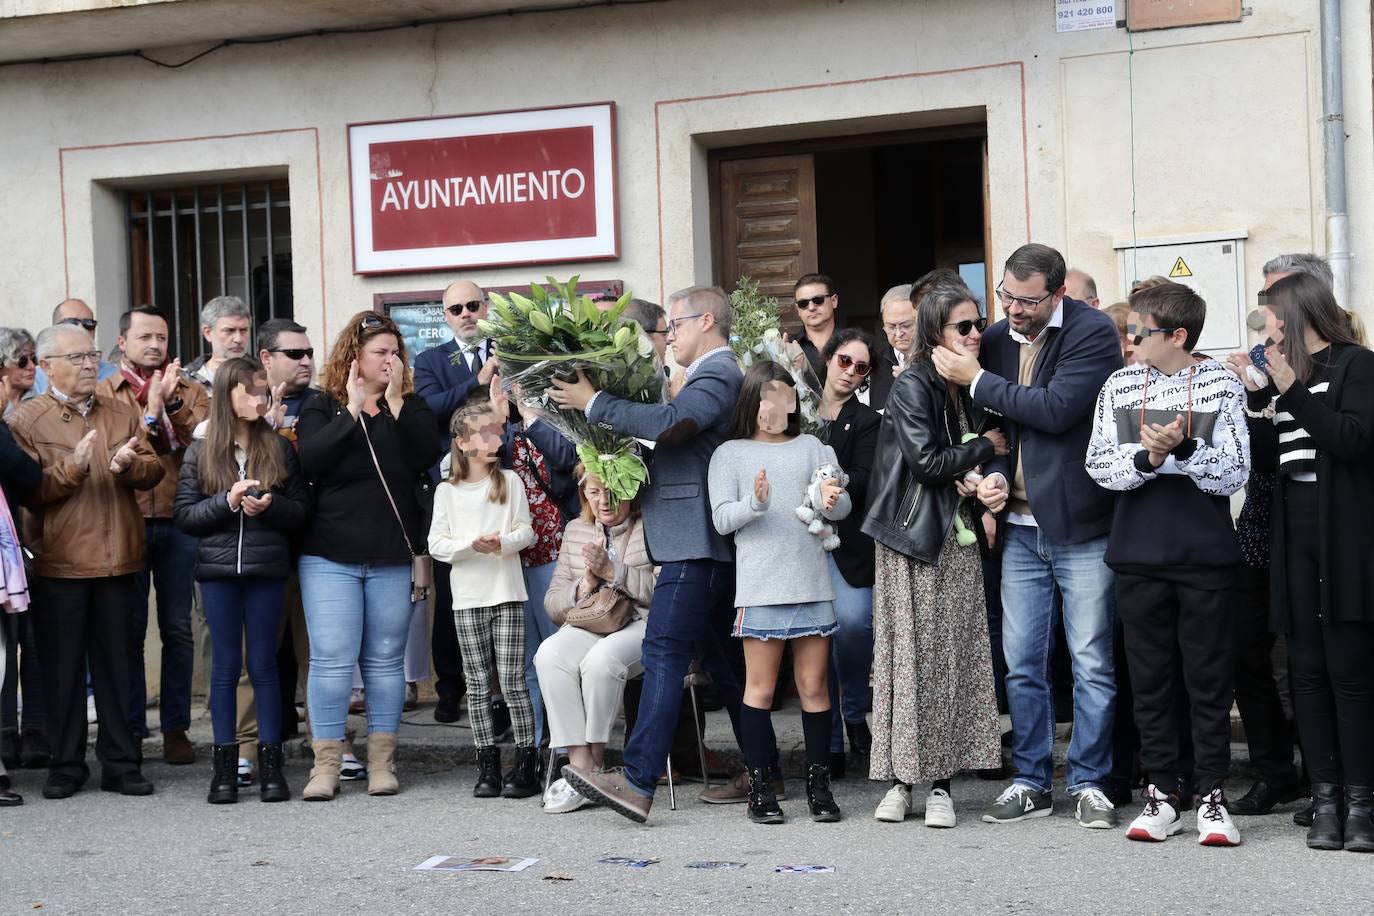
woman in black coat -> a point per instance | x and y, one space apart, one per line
20 475
1320 396
242 494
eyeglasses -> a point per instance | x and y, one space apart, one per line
965 327
293 353
1138 334
657 331
87 323
846 362
1007 298
905 327
456 308
814 300
77 359
673 325
23 361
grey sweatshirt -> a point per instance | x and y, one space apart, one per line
777 561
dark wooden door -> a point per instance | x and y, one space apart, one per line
767 209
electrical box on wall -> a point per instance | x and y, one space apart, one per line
1212 263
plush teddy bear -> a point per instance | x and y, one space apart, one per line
810 510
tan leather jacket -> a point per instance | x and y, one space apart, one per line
195 406
89 521
637 571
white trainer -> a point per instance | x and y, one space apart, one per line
895 806
939 809
1214 824
1159 821
562 798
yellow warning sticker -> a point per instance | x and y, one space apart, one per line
1180 269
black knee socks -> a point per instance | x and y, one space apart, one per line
756 732
816 729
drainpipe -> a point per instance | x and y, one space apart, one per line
1333 150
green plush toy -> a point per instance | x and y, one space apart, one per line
962 533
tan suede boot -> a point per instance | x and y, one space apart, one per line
324 775
381 764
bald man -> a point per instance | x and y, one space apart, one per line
77 313
1079 285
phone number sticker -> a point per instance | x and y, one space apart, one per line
1078 15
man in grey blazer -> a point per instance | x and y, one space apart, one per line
696 581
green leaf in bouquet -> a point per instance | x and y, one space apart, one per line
524 304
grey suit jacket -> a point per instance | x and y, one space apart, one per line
676 510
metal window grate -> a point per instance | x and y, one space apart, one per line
188 245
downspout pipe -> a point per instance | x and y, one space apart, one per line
1333 151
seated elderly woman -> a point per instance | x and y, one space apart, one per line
582 674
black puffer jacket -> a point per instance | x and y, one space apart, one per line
231 543
911 495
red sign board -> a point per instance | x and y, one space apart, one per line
520 187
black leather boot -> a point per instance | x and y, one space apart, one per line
488 773
522 781
1263 796
860 738
1327 830
272 785
224 784
763 804
1303 816
818 796
1359 818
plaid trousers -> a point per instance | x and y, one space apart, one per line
482 630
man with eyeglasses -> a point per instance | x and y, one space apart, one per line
76 313
816 302
1042 368
94 454
151 385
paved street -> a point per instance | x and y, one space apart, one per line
173 853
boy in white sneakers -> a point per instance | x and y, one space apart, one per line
1169 437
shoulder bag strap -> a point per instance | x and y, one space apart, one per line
385 488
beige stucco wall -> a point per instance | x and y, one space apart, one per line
1227 128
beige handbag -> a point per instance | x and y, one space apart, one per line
421 564
609 609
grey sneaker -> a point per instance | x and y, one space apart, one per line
1094 810
1018 803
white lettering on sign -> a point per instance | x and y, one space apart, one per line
1079 15
502 188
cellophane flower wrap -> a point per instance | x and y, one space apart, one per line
756 334
555 333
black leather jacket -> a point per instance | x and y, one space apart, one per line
912 500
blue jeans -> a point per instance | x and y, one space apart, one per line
690 608
538 627
170 569
244 612
851 656
1031 568
356 613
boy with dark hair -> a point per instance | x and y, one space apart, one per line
1169 437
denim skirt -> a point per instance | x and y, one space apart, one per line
786 621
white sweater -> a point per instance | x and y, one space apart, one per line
463 513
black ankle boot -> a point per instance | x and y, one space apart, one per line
1359 818
224 784
763 804
488 773
272 785
1327 830
818 797
522 780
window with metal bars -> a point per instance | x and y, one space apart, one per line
190 244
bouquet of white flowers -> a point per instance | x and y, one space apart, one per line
756 334
554 333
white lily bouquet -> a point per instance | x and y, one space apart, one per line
756 334
554 333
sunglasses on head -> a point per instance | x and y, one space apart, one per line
814 300
456 308
965 328
294 353
87 323
845 362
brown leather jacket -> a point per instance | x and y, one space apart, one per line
89 520
195 406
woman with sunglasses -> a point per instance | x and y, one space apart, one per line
934 707
18 367
366 442
850 427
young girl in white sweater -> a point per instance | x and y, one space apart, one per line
481 523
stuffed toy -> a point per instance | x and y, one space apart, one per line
810 510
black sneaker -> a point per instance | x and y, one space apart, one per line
1263 796
130 783
860 738
60 785
763 804
448 710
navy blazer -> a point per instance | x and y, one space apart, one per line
445 386
1052 418
686 430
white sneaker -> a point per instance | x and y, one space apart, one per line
1159 821
351 769
562 798
244 775
939 809
91 717
1214 824
895 806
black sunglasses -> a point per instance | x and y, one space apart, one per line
296 353
814 300
1138 334
457 308
87 323
23 361
965 327
846 361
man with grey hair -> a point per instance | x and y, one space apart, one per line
76 313
898 316
226 323
692 602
